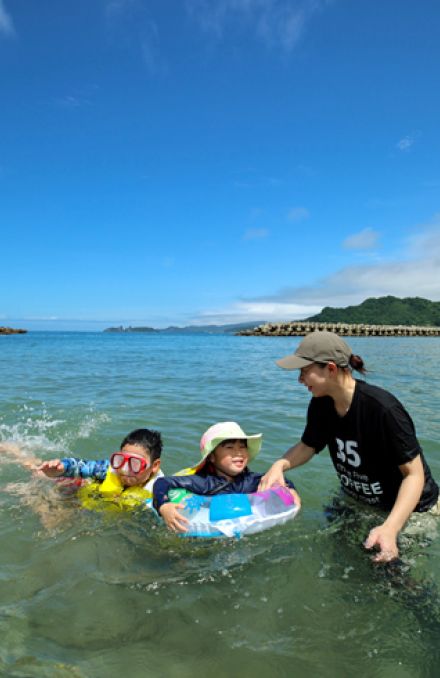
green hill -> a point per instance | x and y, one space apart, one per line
385 311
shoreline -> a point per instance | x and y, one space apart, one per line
302 327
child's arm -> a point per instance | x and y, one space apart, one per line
169 511
73 467
163 485
54 468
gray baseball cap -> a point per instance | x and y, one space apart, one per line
318 347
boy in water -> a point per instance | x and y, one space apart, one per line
124 481
127 477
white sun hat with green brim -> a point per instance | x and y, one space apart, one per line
228 430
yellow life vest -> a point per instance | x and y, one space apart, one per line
111 495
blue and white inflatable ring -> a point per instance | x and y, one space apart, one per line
235 515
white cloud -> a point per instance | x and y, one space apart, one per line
255 311
128 18
414 272
255 234
150 48
282 25
70 101
364 240
83 96
296 214
42 318
256 181
279 23
6 23
406 142
115 8
426 238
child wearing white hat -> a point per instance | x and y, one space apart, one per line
226 451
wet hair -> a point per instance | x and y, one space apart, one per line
356 363
150 441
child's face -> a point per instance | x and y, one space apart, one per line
126 475
231 457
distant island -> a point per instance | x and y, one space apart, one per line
189 329
11 330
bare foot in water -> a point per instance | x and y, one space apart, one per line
47 503
14 453
47 506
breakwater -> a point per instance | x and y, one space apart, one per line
11 330
302 327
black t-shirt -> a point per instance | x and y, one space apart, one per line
368 445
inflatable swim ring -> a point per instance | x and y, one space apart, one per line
235 515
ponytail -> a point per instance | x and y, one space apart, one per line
356 363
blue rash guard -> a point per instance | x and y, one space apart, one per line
207 484
74 467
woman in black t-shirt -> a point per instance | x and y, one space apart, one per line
370 436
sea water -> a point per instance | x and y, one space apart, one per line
88 594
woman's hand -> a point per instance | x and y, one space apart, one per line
52 468
274 476
174 520
295 456
385 539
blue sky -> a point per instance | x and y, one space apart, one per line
215 161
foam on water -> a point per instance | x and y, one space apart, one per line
35 431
